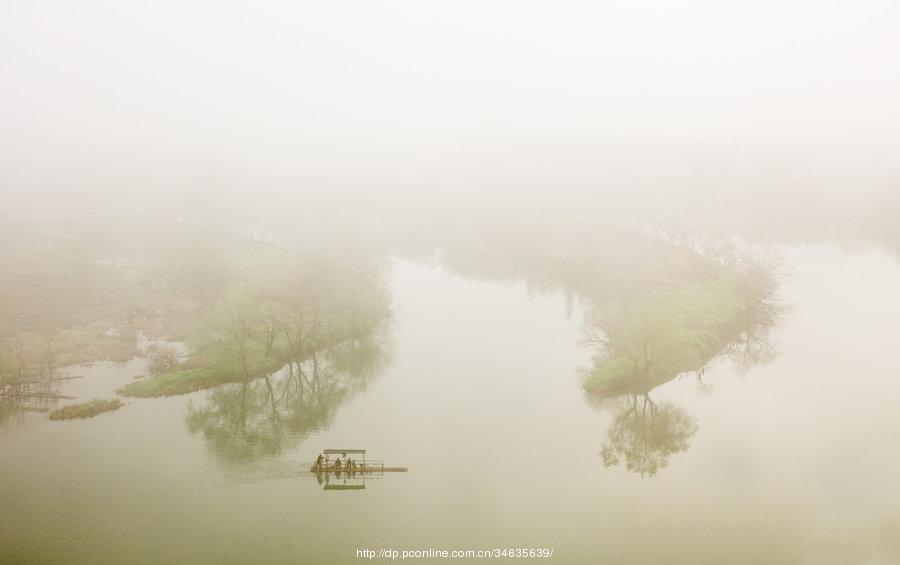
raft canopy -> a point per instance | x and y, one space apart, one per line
344 451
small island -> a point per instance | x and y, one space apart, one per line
85 409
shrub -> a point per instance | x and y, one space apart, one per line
86 409
162 360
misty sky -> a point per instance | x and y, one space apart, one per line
193 95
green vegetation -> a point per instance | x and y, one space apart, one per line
264 417
724 304
657 304
252 330
86 409
28 355
643 434
178 381
161 359
669 332
79 290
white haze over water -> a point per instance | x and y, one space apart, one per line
496 211
209 99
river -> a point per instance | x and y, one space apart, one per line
791 461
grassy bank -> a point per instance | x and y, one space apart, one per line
178 381
667 333
86 409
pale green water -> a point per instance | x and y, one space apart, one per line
795 462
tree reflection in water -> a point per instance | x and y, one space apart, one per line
643 433
650 339
265 417
657 306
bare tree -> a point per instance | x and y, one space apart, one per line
231 327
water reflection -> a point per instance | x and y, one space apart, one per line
284 337
83 289
262 418
656 306
337 481
643 433
281 337
647 340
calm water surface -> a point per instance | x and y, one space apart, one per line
794 462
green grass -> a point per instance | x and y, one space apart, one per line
178 381
86 409
667 333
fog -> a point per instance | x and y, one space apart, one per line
207 101
597 281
